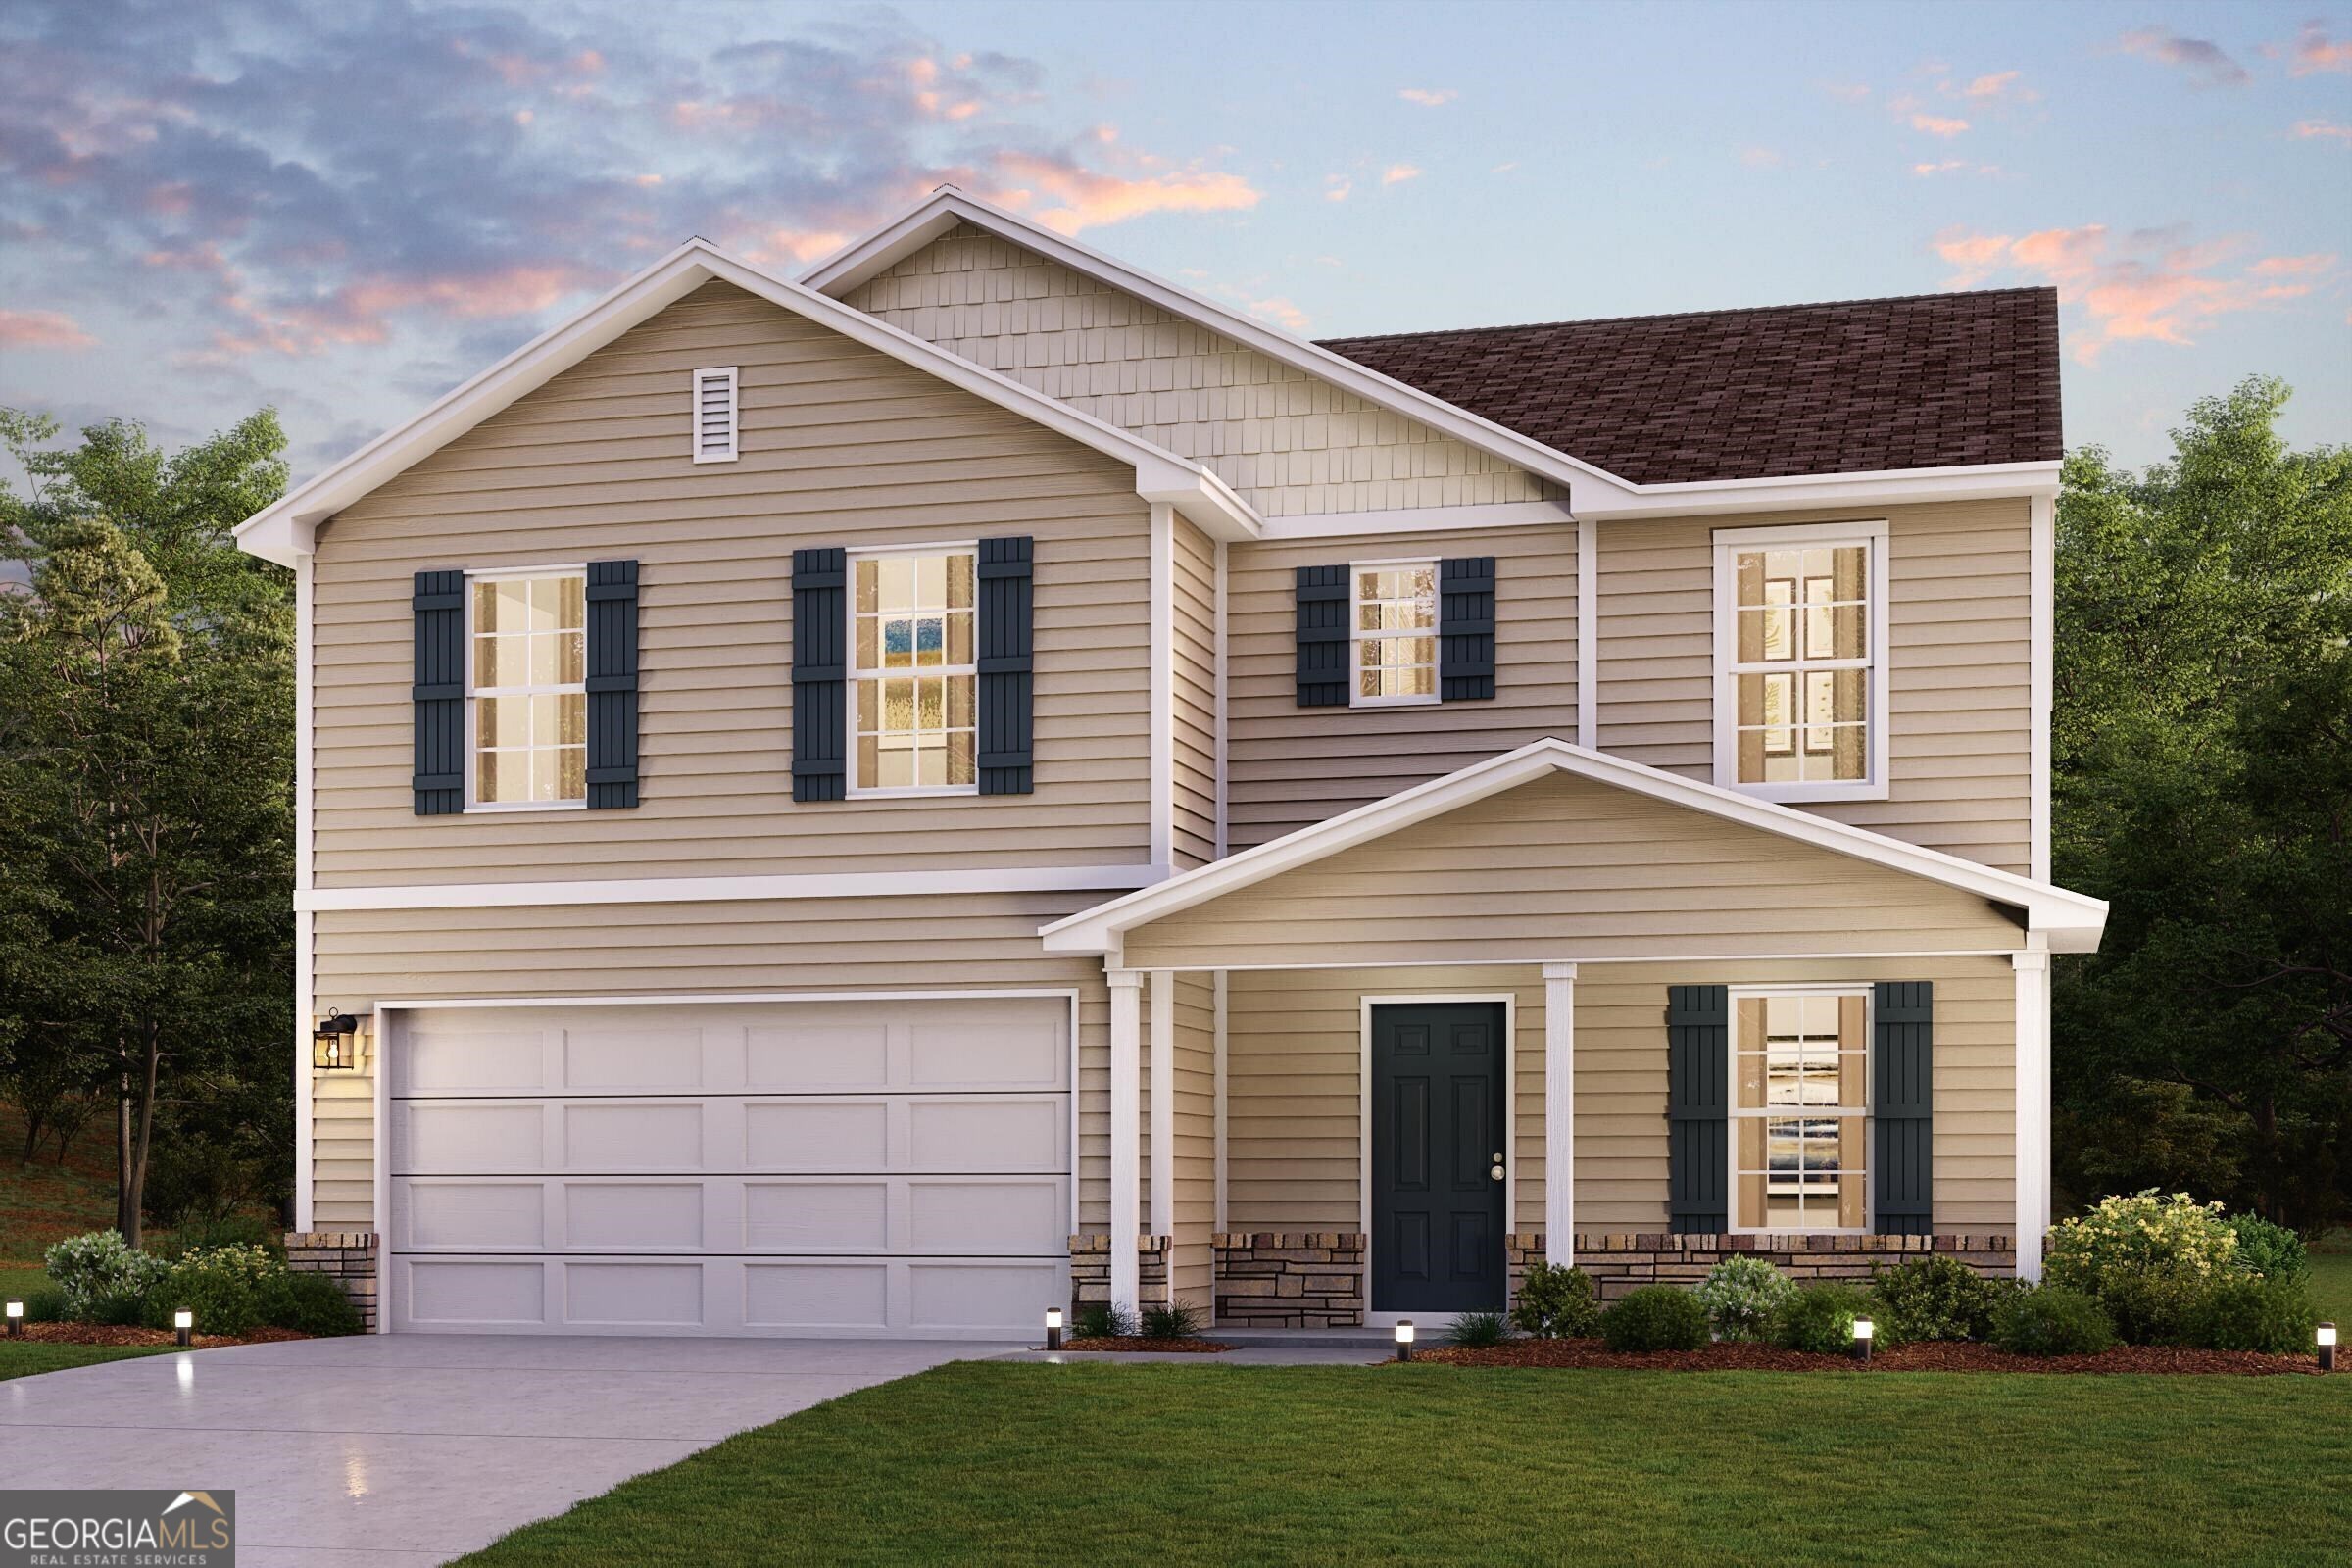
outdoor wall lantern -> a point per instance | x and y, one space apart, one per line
335 1043
1404 1339
1864 1329
2327 1342
16 1320
184 1327
1052 1328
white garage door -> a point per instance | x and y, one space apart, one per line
787 1169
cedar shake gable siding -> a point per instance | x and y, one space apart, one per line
1931 382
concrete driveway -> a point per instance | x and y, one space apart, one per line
400 1449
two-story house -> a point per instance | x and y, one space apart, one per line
869 803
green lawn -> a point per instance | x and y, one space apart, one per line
1099 1463
2331 1286
21 1279
23 1359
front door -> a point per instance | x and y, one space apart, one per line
1437 1157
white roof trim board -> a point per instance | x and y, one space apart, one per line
282 531
2070 922
1593 492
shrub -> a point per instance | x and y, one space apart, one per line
2051 1320
1741 1296
1476 1331
1655 1317
99 1264
308 1303
44 1303
1177 1320
1556 1304
2247 1312
2147 1258
1936 1298
1103 1320
227 1288
1821 1318
119 1311
2271 1250
238 1230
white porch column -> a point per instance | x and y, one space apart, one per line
1126 1134
1560 1115
2032 967
1163 1101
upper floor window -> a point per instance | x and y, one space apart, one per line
1396 632
1801 634
529 690
915 672
1800 1110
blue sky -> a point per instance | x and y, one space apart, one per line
345 210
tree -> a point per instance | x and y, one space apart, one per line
2202 782
146 777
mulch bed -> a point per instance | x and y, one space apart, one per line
1138 1343
1925 1357
110 1333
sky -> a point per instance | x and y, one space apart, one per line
345 210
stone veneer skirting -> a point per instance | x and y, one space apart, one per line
1617 1262
1089 1269
1293 1280
348 1257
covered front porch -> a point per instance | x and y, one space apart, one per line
1559 1006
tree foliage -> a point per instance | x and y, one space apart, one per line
2202 760
146 780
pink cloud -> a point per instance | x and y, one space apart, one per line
1845 92
1939 126
1760 157
1429 97
42 329
1999 84
362 311
1281 312
1066 198
2126 293
801 245
2206 60
2316 51
1399 174
2327 129
1336 187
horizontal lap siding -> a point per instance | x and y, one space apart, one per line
1566 867
1959 638
1288 766
1195 1197
889 944
1289 443
841 446
1195 688
1294 1048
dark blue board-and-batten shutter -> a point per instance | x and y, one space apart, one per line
438 603
1699 1073
1323 636
1466 628
820 654
612 684
1005 662
1903 1070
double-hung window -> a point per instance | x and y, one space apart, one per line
1800 1108
1800 652
528 688
1395 635
914 672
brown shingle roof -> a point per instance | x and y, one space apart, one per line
1928 382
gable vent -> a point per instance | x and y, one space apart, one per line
714 416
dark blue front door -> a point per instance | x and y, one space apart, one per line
1437 1157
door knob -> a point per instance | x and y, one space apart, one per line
1496 1172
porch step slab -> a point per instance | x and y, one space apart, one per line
1307 1338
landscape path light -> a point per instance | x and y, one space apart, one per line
1052 1328
2327 1338
1404 1339
1864 1330
184 1327
16 1319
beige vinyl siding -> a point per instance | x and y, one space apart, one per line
1959 640
1294 1067
841 446
1566 867
1289 443
710 948
1288 766
1195 689
1194 1189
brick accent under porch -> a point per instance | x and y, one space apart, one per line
1290 1279
1619 1261
1090 1270
348 1257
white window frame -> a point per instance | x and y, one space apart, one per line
1734 1116
857 672
1357 636
1878 710
693 415
474 804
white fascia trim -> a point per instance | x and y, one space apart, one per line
282 530
1815 491
704 889
2072 921
1418 519
2041 666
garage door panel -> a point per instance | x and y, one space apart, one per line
441 1137
949 1296
509 1217
634 1059
816 1216
630 1136
816 1056
634 1294
462 1293
832 1294
453 1058
987 1133
809 1135
648 1216
977 1053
